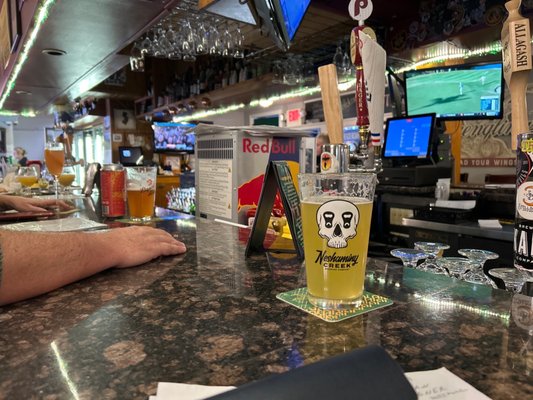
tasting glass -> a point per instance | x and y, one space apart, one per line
514 279
27 177
433 251
409 257
67 178
476 274
54 157
456 267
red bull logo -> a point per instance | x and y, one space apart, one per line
270 146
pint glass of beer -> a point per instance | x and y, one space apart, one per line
140 190
336 214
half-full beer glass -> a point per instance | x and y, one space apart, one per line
336 214
140 190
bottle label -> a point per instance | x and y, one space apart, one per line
523 233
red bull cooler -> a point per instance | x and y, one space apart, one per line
231 163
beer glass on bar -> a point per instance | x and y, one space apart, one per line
140 190
54 157
336 215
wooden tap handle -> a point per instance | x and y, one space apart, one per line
331 102
516 54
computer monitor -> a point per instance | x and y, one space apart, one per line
459 92
409 140
130 156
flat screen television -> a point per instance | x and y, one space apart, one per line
130 156
459 92
174 137
281 18
409 140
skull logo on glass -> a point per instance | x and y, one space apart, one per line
337 221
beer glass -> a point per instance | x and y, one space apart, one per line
140 190
336 212
67 177
27 176
54 157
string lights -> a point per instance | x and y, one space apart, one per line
40 18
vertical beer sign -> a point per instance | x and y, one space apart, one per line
516 54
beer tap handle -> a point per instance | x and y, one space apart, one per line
516 54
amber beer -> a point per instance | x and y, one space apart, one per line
141 203
65 179
336 215
140 191
54 160
27 180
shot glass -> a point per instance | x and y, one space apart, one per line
336 214
140 191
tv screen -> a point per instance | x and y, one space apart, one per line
409 138
469 91
173 137
281 19
351 137
130 156
293 13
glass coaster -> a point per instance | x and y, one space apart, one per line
298 299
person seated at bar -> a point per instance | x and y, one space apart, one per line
33 263
20 155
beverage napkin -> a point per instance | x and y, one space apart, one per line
435 384
442 384
489 223
182 391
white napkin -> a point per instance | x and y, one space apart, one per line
489 223
182 391
441 384
457 204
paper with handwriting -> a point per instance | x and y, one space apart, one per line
441 384
437 384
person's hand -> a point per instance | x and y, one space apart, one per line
31 204
136 245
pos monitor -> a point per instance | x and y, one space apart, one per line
409 140
130 156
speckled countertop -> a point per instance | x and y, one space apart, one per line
211 317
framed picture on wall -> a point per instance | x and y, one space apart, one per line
124 119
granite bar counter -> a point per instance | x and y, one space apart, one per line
211 317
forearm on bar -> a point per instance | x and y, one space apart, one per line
35 263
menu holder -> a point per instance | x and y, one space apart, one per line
277 176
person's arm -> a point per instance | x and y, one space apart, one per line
33 263
31 204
